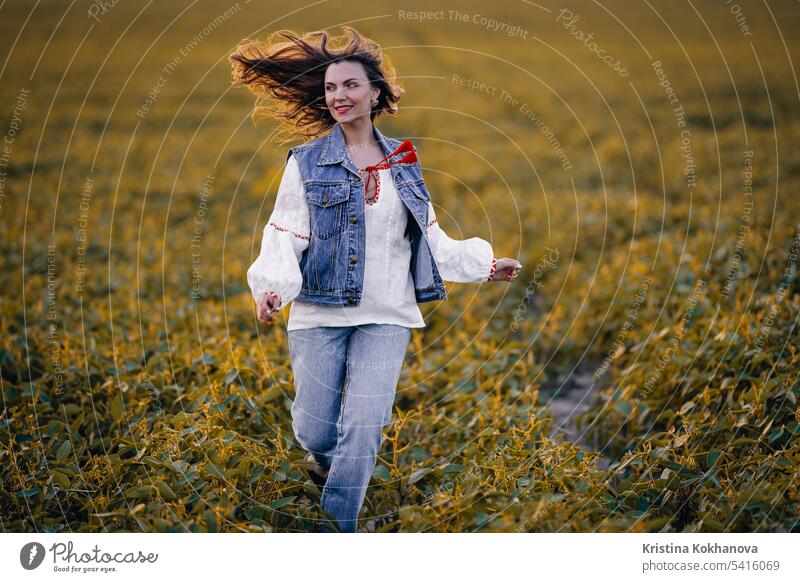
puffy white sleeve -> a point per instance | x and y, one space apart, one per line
459 261
286 236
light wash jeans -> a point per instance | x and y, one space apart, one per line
345 380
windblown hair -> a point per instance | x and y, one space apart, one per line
288 77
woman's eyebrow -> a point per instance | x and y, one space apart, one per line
345 81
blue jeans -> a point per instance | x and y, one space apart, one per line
345 380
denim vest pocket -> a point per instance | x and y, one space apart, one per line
328 207
419 190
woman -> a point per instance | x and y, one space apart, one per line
354 239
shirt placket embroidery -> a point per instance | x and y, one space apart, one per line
373 171
374 199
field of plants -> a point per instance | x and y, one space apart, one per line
639 159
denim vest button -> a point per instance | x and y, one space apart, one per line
354 220
325 198
351 300
353 260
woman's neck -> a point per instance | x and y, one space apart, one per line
358 135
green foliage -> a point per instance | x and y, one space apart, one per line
132 401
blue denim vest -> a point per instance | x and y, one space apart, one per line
333 264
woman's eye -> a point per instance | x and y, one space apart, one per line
348 86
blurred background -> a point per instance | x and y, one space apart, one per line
638 158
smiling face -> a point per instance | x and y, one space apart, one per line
348 93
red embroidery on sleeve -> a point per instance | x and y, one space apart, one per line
494 268
276 227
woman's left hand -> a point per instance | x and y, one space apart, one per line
506 270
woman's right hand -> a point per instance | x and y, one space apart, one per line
267 305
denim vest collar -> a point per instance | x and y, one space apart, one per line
334 150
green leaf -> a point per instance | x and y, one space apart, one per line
624 407
419 454
63 450
214 470
713 525
282 502
138 492
231 376
211 521
755 504
681 469
468 386
189 476
28 492
60 479
712 456
775 434
382 473
166 492
116 407
417 475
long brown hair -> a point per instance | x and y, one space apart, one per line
288 77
